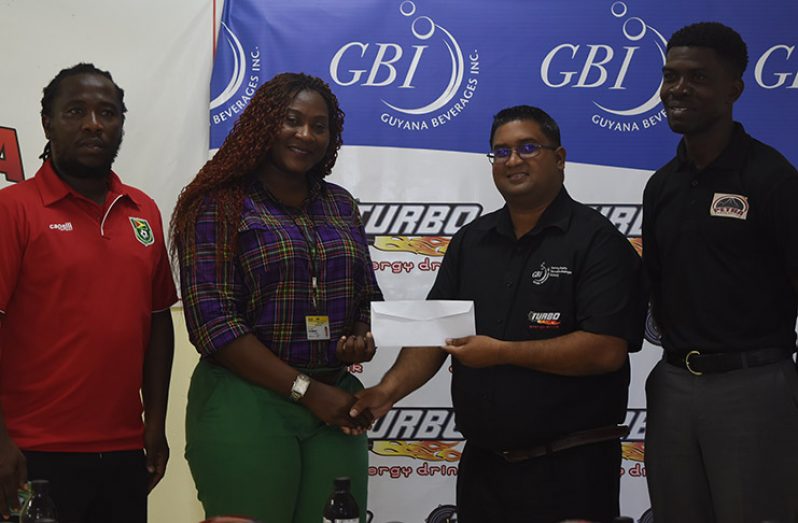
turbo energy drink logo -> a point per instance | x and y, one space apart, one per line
424 82
427 434
623 80
418 424
430 434
543 320
426 228
235 80
419 228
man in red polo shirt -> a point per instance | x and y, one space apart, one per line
85 330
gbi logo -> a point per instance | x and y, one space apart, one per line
385 58
780 56
10 157
603 66
235 79
423 80
598 56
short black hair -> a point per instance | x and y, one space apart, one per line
526 112
52 89
725 41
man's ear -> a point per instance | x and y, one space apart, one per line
738 86
46 126
560 158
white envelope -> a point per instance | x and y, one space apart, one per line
420 323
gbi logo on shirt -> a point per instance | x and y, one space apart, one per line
542 274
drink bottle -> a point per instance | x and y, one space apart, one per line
40 506
341 507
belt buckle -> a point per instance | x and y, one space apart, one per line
687 362
511 456
507 455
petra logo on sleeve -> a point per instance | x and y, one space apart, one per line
142 231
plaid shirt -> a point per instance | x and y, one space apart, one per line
265 289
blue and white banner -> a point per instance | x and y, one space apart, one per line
419 82
430 74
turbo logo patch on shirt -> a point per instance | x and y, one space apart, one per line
543 320
142 231
729 206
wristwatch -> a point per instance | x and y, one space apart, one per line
299 387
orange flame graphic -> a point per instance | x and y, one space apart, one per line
426 450
637 243
425 245
633 450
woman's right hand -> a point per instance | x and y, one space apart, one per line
331 405
249 358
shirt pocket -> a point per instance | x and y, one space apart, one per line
271 258
342 254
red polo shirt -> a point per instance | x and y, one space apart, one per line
78 285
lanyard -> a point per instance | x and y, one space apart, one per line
310 242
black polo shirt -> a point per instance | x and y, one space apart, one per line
719 246
574 271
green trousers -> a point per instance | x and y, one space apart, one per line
254 453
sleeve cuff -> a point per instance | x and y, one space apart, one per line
212 337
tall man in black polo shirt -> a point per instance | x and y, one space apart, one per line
720 246
539 392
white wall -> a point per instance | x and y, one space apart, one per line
160 53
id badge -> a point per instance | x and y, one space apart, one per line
317 327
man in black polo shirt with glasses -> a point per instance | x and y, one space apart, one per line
539 393
720 246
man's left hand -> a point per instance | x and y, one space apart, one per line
475 351
156 449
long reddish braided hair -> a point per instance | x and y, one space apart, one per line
222 179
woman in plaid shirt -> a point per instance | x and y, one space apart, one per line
276 283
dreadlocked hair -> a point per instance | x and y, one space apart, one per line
222 180
51 91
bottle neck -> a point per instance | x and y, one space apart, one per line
39 488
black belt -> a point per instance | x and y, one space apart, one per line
698 363
569 441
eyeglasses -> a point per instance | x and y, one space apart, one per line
525 151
